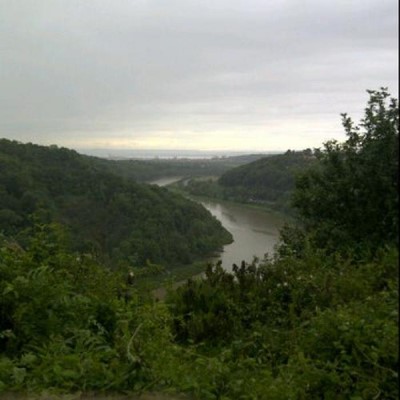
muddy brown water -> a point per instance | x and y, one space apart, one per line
255 231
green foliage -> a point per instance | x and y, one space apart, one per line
349 199
65 322
204 187
268 181
42 284
318 320
121 222
315 327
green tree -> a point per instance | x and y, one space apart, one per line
350 197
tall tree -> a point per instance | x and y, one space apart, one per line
350 197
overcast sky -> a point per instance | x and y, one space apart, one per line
187 74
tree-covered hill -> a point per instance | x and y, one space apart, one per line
270 178
318 320
120 221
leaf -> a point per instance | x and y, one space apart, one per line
8 289
19 375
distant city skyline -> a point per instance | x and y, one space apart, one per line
204 75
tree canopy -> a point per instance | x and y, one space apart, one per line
316 320
116 219
350 196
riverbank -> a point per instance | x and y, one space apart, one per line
175 184
158 285
255 231
176 187
250 206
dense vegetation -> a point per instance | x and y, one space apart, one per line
314 327
269 181
119 221
318 320
351 197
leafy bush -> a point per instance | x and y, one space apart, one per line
349 199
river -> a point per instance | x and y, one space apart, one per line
165 181
255 231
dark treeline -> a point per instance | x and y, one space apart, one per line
317 320
267 181
119 221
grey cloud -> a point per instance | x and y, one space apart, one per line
101 68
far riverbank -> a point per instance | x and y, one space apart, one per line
255 229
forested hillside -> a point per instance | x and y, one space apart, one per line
317 320
119 221
269 180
